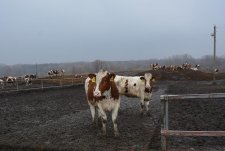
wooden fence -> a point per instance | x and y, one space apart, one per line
165 132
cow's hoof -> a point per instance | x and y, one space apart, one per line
104 133
142 114
101 135
99 123
116 134
148 113
93 124
120 112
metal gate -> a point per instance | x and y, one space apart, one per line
165 131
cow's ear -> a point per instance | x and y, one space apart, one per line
92 77
153 79
112 76
142 78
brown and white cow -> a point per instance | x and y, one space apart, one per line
102 93
137 86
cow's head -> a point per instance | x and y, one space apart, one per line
149 80
102 82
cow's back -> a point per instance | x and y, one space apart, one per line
129 86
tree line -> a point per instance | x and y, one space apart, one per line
205 63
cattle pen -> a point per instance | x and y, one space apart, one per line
166 132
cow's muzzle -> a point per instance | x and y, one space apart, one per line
97 94
148 90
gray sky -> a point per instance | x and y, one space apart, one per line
46 31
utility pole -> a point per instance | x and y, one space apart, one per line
214 53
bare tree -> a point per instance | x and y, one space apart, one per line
97 65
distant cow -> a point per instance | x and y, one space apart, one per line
196 68
102 93
56 72
11 80
50 73
28 81
62 72
186 66
31 76
216 70
155 66
27 76
137 86
1 84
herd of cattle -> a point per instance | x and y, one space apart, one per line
56 72
184 66
11 81
27 79
103 90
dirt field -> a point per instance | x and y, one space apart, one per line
60 119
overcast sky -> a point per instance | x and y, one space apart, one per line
54 31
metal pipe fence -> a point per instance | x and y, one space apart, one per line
166 132
41 83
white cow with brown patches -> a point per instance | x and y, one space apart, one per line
102 93
137 86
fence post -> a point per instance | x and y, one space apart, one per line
167 115
60 82
42 85
17 87
82 80
164 111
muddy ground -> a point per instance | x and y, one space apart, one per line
60 119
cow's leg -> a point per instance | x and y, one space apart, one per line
114 119
104 119
92 108
142 106
99 119
147 101
147 107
